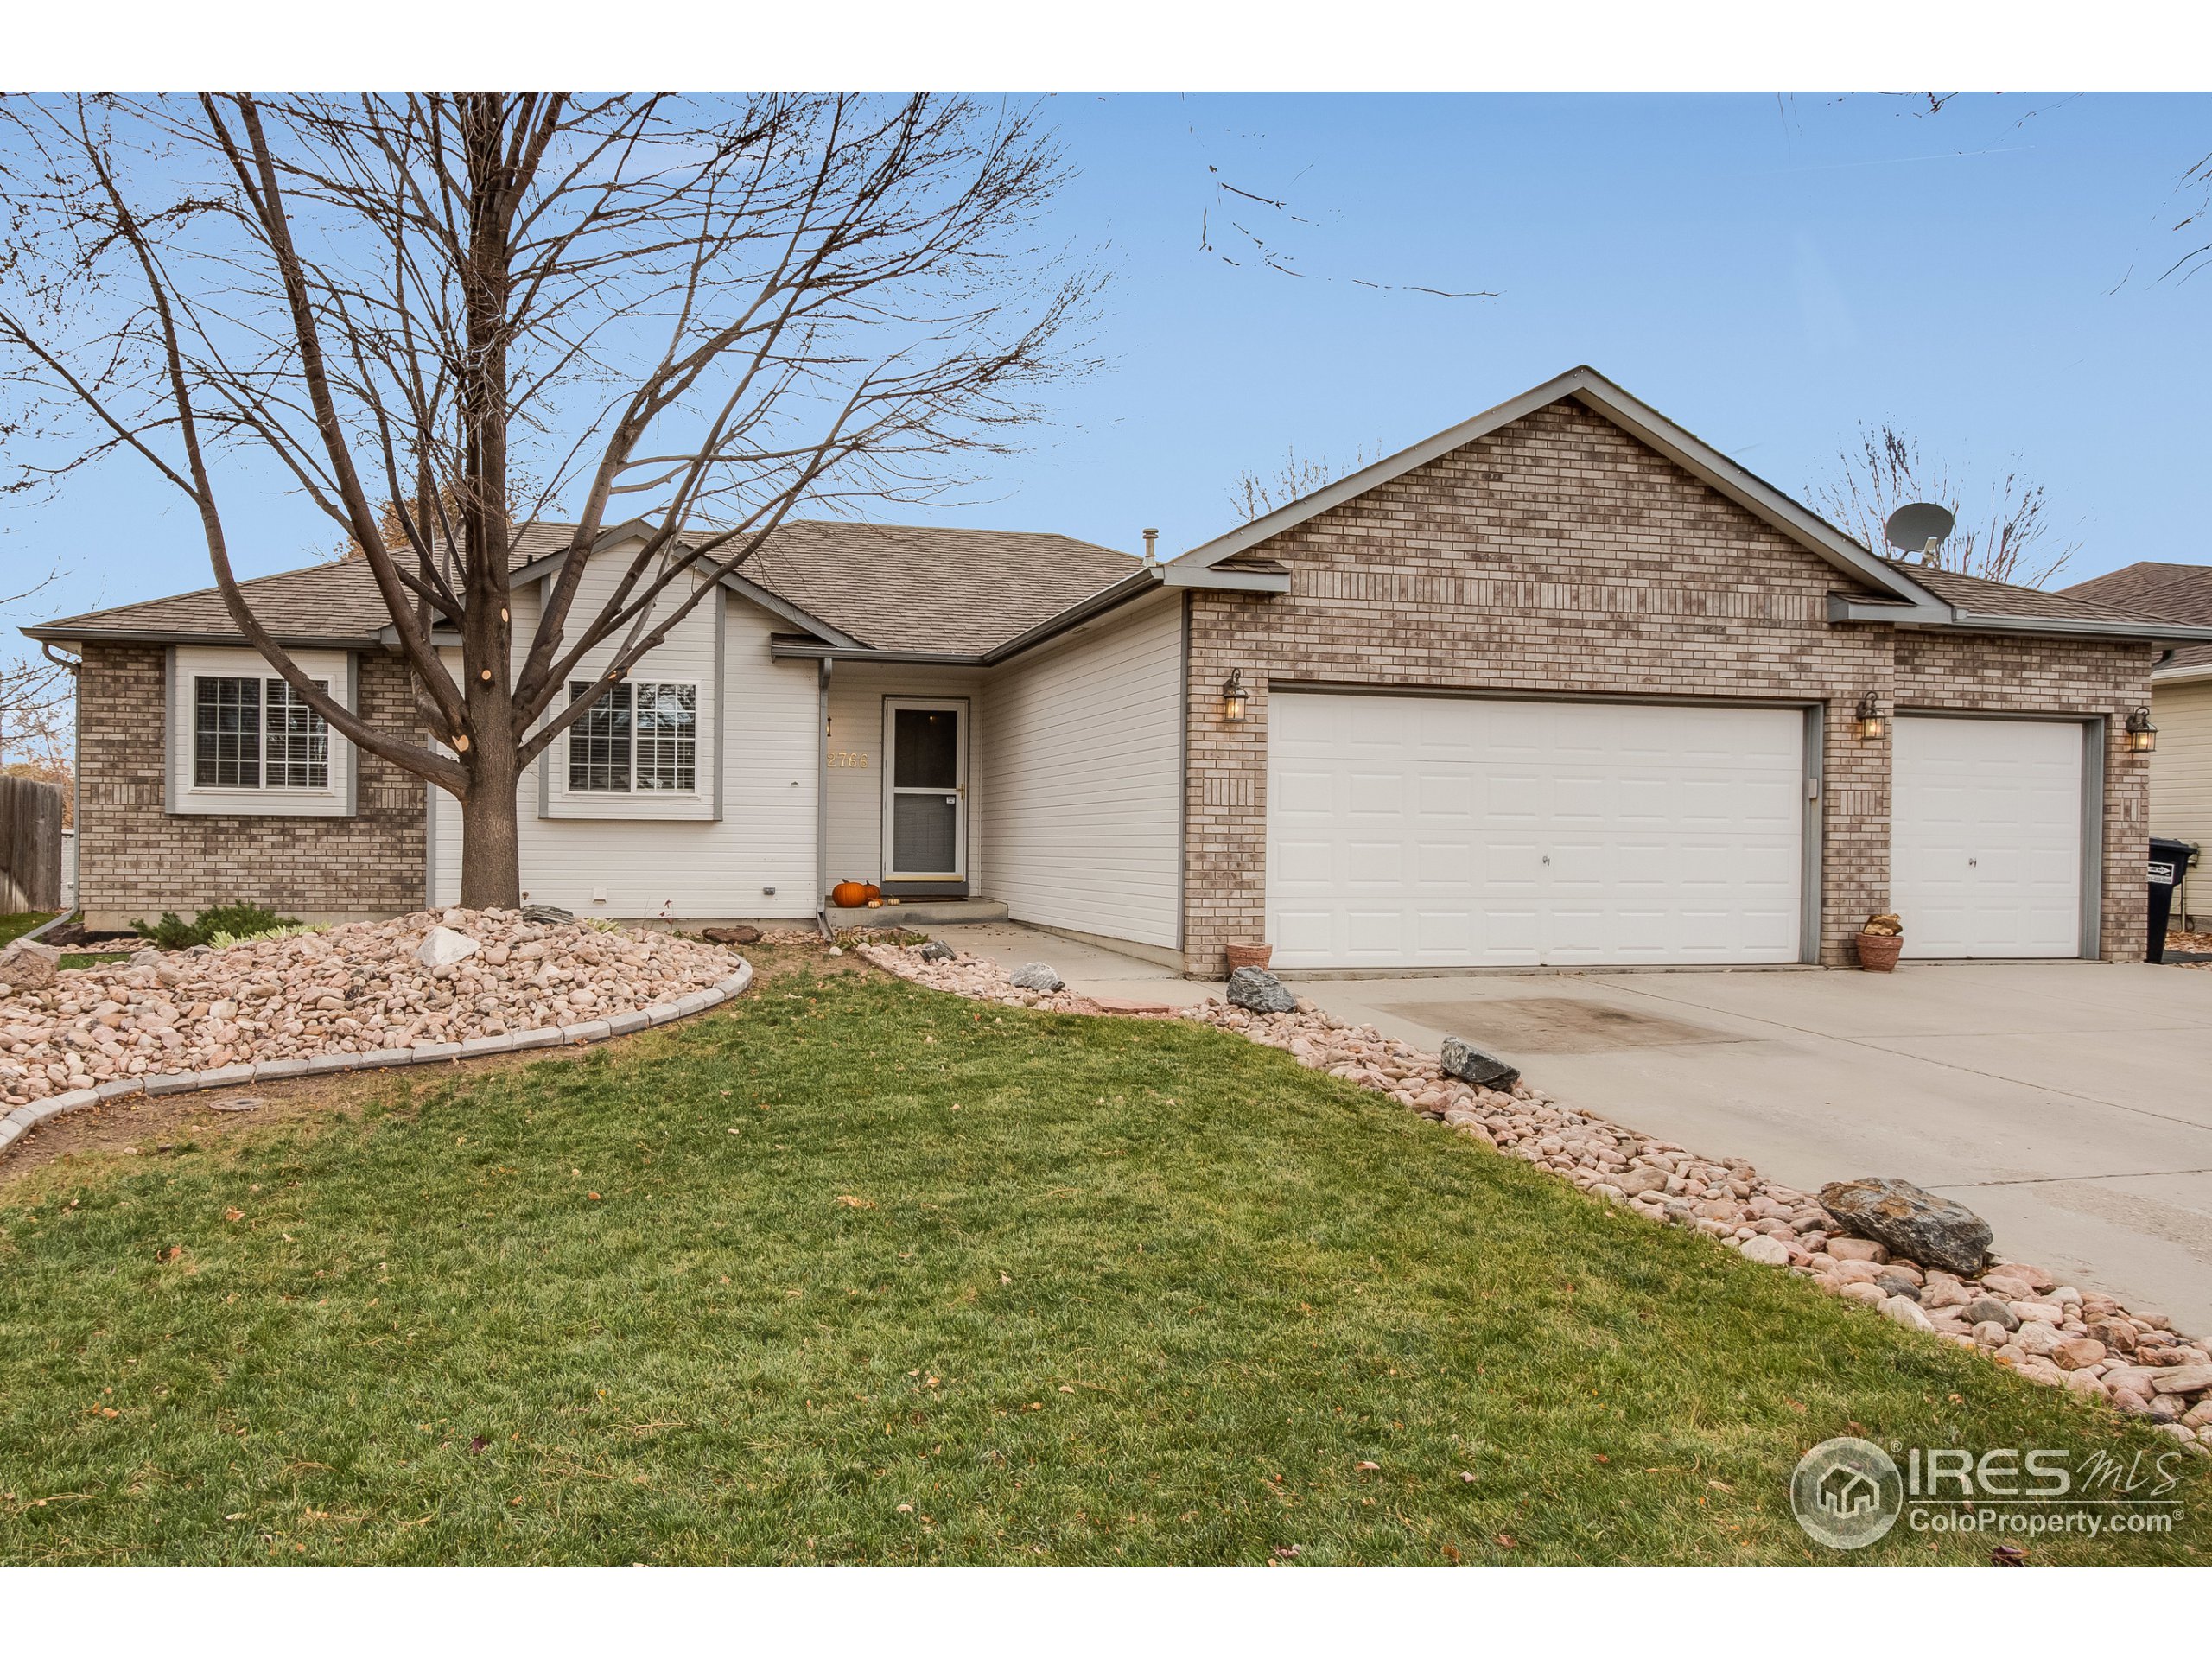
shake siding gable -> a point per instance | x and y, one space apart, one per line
1081 747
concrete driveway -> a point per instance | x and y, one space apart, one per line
2068 1102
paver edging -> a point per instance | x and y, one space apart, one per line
20 1120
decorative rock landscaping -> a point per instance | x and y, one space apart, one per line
433 986
2019 1315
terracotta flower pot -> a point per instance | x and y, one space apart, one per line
1878 952
1248 956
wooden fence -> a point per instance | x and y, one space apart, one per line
30 846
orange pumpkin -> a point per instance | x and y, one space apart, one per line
848 895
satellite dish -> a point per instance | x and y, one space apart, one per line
1918 528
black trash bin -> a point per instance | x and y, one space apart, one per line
2170 863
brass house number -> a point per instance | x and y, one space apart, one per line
849 758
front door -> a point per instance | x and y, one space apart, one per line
925 792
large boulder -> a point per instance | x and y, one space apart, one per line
443 947
1261 991
731 935
936 950
30 966
1910 1222
547 915
1036 976
1462 1060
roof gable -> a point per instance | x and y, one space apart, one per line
1586 386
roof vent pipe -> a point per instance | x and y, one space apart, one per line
1152 547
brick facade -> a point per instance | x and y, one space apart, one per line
1560 554
136 860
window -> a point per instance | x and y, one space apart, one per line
640 734
257 733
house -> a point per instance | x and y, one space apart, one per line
1562 685
2181 708
1845 1492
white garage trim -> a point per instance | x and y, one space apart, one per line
2026 831
1451 831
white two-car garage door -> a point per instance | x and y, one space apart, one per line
1419 832
1986 839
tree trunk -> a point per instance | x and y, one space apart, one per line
490 849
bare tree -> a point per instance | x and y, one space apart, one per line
438 316
35 694
2011 539
1255 494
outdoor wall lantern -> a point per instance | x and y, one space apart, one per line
1232 697
1869 716
2142 736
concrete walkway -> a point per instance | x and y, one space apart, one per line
2068 1102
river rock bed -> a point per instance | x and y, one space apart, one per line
2015 1314
357 988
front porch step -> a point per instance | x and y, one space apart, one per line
920 912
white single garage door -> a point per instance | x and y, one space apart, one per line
1441 832
1986 836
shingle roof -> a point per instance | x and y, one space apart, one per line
1983 597
905 588
2175 593
897 588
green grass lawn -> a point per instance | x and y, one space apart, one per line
15 926
857 1272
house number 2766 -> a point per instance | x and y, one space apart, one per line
849 758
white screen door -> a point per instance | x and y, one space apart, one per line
925 791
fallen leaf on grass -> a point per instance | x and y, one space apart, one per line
1363 1465
1506 1540
478 1444
233 1215
852 1202
1066 1388
1452 1555
593 1197
1468 1476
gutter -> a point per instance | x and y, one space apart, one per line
66 638
1843 608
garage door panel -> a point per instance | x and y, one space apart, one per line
1986 836
1532 833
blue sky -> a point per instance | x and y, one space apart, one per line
1767 271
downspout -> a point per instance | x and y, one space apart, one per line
821 804
75 667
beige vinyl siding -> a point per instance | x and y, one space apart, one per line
672 856
1080 750
854 779
2181 779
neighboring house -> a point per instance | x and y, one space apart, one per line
1562 685
2181 708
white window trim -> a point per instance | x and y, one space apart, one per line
696 802
186 797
